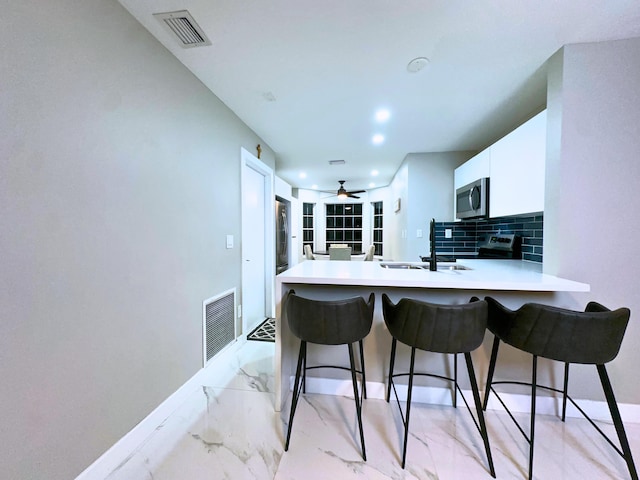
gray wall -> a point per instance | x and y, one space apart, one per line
115 163
424 185
592 202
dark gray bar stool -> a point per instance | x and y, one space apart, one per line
591 337
442 329
339 322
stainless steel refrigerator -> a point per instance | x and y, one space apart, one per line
282 236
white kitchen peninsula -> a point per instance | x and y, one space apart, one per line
510 281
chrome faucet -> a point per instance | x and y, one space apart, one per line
433 264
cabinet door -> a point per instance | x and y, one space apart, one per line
517 169
473 169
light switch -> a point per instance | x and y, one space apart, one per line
229 241
447 233
419 233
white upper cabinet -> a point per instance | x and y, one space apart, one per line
515 165
473 169
517 169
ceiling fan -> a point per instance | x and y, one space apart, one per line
343 193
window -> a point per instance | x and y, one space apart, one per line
307 224
377 227
344 225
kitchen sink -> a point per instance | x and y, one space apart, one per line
403 266
454 266
425 266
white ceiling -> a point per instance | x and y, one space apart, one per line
308 75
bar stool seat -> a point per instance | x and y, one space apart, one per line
442 329
591 337
336 322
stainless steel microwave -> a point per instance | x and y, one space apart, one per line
472 201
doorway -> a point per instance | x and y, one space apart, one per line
258 267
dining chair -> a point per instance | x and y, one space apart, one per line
370 253
341 253
308 254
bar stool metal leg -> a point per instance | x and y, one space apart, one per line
392 360
406 420
455 380
492 369
617 420
296 390
476 398
357 399
364 376
533 413
564 391
304 374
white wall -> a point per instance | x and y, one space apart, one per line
592 200
119 180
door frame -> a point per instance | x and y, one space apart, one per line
251 161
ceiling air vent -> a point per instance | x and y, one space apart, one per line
183 26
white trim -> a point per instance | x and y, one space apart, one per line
124 448
517 403
251 161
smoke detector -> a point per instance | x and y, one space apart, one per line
417 64
183 27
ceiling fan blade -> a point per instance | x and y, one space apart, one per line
356 191
352 196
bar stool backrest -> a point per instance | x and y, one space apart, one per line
590 337
335 322
436 328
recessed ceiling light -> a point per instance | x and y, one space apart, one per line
417 64
382 115
377 139
302 175
374 173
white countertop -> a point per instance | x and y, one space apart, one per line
484 275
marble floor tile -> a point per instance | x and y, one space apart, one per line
228 429
244 366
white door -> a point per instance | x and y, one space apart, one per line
257 242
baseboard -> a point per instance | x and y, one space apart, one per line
124 448
517 403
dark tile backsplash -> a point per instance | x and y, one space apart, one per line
468 234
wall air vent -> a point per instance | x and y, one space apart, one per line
184 27
218 323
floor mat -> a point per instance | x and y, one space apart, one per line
265 332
